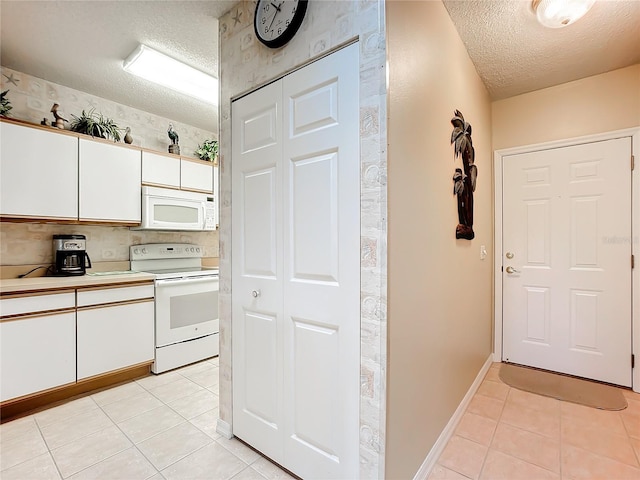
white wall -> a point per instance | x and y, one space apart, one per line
597 104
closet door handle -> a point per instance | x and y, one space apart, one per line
255 293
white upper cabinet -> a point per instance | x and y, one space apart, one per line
38 173
160 170
109 182
196 175
177 172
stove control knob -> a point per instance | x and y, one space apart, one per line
136 251
144 251
198 249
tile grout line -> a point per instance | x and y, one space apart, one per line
504 404
560 438
49 452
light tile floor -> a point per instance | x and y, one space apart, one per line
509 434
158 427
163 427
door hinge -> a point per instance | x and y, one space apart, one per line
633 162
633 261
633 360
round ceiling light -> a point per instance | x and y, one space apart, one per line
560 13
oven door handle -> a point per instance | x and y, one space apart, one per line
192 280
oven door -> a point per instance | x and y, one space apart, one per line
186 308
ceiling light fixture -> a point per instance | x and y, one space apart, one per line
156 67
560 13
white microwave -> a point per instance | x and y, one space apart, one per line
167 209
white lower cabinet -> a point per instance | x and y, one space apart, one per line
50 340
37 353
115 329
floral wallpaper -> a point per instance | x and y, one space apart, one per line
32 99
245 64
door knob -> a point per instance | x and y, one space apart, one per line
255 293
512 270
509 255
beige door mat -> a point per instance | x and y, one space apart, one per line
563 387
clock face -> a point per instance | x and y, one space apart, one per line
277 21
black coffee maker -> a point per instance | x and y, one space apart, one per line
70 255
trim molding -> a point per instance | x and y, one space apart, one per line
435 452
35 402
224 429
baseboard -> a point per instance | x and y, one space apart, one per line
224 429
430 462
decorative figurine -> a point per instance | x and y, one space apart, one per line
127 136
59 123
173 136
45 122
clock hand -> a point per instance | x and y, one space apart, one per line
274 17
277 7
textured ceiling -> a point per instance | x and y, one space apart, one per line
514 54
81 44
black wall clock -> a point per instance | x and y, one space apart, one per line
277 21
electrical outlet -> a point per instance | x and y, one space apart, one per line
483 252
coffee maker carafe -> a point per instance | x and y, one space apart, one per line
70 255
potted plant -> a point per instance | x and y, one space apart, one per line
208 150
95 125
5 104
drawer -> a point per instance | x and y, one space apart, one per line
115 294
37 303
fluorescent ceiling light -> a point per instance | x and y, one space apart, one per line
157 67
560 13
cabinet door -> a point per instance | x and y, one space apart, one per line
114 337
110 178
37 353
38 173
160 170
195 175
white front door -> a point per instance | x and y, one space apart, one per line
296 268
567 260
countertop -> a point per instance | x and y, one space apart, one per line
38 284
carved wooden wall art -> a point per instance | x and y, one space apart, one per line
464 179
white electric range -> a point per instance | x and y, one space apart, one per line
186 302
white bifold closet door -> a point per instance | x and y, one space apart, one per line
296 268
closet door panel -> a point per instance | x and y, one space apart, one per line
322 267
257 270
313 210
296 268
